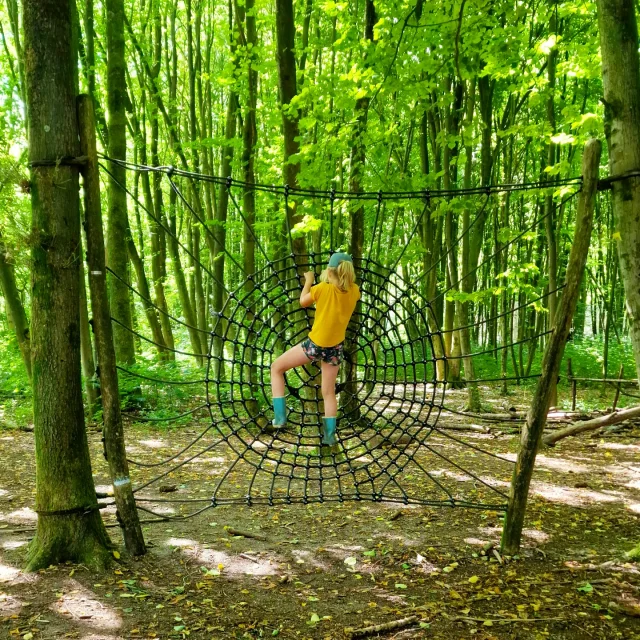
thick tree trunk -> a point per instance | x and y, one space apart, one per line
69 524
621 81
118 225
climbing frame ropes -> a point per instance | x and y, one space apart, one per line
400 369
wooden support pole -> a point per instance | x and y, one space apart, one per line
574 387
617 396
113 431
537 416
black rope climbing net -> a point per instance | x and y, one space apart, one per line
394 383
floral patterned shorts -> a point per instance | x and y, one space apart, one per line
331 355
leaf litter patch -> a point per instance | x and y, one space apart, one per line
318 571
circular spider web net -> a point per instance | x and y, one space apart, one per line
389 396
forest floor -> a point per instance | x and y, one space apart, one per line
317 570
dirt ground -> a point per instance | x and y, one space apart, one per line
318 570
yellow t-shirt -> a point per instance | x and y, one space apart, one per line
333 312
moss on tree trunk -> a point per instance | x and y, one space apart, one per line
69 525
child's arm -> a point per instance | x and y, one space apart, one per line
305 297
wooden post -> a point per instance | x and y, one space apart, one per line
537 416
574 388
113 432
617 396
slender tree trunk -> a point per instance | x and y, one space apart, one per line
195 67
143 288
349 399
114 446
158 236
15 308
91 387
69 525
285 36
537 416
249 141
220 228
16 31
474 400
431 237
118 225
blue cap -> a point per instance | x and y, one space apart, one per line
337 258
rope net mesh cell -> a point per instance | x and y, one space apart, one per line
393 383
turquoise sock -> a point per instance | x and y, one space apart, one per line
280 412
329 431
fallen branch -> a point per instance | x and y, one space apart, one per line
591 425
248 557
504 620
245 534
626 608
380 628
464 427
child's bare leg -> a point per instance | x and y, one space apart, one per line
294 357
329 375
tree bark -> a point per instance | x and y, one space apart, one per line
621 82
349 399
143 288
113 432
118 225
537 416
249 141
591 425
91 387
474 399
285 34
69 525
15 308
